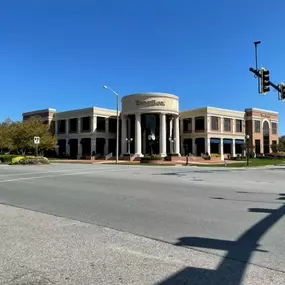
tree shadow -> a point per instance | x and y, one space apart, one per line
231 269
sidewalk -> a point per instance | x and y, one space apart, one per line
42 249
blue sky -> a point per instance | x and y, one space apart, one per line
58 54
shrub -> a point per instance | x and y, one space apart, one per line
152 157
25 160
215 155
7 158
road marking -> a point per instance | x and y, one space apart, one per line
40 172
62 174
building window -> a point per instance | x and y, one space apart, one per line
257 146
257 126
73 124
274 128
214 123
199 123
112 125
86 124
227 124
101 124
187 125
53 128
61 126
239 126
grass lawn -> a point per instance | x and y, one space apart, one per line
254 162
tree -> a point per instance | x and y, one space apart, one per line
6 135
281 144
24 133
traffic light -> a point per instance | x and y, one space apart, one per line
282 91
264 80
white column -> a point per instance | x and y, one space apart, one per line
208 145
67 148
193 124
234 148
107 125
221 124
94 123
106 147
79 125
176 136
138 138
222 149
162 142
66 126
124 136
79 152
55 128
170 128
193 146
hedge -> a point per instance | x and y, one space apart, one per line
7 158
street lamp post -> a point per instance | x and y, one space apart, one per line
129 145
247 149
117 135
186 153
171 145
151 139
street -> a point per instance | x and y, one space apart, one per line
108 224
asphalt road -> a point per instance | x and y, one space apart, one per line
233 218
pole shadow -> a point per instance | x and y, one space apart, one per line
232 268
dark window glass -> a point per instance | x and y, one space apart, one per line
257 146
112 125
227 124
199 123
61 124
214 123
274 128
86 124
274 142
239 126
73 123
187 125
257 126
101 124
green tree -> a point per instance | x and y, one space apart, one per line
281 144
6 132
24 133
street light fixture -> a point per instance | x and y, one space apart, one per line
151 138
117 135
129 145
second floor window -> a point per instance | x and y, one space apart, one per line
101 124
73 124
274 128
227 124
112 125
214 123
187 125
239 126
257 126
86 124
61 126
199 123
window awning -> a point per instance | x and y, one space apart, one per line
215 140
239 141
228 141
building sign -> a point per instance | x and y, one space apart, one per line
150 103
265 116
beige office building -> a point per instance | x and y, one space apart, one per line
152 122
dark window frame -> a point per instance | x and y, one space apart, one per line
59 126
257 125
214 123
274 129
239 130
229 126
199 120
102 119
83 121
186 123
70 124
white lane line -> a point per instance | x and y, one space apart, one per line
41 172
62 174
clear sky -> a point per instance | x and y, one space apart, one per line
58 54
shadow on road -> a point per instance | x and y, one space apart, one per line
232 268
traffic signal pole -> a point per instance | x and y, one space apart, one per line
258 74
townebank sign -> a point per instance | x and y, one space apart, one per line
149 103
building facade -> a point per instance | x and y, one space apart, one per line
152 123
